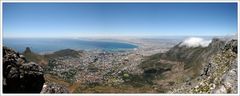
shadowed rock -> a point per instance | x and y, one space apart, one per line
20 76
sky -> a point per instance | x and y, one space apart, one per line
118 19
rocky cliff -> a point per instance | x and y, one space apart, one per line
20 76
218 74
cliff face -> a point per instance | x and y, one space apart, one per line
218 74
20 76
221 72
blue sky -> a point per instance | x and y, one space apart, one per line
118 19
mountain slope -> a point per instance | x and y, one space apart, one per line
221 76
192 58
184 66
31 56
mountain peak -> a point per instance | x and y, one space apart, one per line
27 50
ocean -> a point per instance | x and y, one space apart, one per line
46 45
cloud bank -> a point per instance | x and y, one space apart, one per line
195 42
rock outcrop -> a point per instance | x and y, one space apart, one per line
35 57
222 77
28 50
219 74
54 88
20 76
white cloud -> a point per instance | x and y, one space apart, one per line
195 42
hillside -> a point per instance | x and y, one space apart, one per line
191 59
31 56
185 66
64 53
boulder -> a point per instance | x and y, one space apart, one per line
20 76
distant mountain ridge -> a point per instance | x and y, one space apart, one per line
31 56
191 57
64 52
43 59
